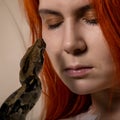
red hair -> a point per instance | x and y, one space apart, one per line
60 102
109 20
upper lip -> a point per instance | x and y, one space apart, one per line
77 67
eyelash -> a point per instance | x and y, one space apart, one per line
90 22
54 25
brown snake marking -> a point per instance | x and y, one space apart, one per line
19 103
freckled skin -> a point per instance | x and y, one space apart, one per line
19 103
74 38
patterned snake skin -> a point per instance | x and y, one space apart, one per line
18 104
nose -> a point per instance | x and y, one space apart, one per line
73 42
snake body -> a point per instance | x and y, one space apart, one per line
19 103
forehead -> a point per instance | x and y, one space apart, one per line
62 4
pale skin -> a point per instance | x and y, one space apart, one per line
79 52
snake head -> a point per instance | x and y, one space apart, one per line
39 58
32 61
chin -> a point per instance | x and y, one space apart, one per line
83 90
79 91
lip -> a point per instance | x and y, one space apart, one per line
78 71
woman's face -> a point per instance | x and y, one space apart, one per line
76 45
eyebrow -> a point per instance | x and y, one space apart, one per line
47 11
81 10
84 9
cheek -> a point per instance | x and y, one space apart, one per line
53 46
53 50
52 40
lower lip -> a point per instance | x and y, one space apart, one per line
78 73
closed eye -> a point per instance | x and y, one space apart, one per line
51 21
92 21
54 26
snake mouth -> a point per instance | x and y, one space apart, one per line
42 51
43 44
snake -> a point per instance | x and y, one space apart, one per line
20 102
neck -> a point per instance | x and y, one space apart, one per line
107 103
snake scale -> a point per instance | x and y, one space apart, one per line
19 103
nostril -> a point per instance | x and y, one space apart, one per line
77 52
80 51
75 47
